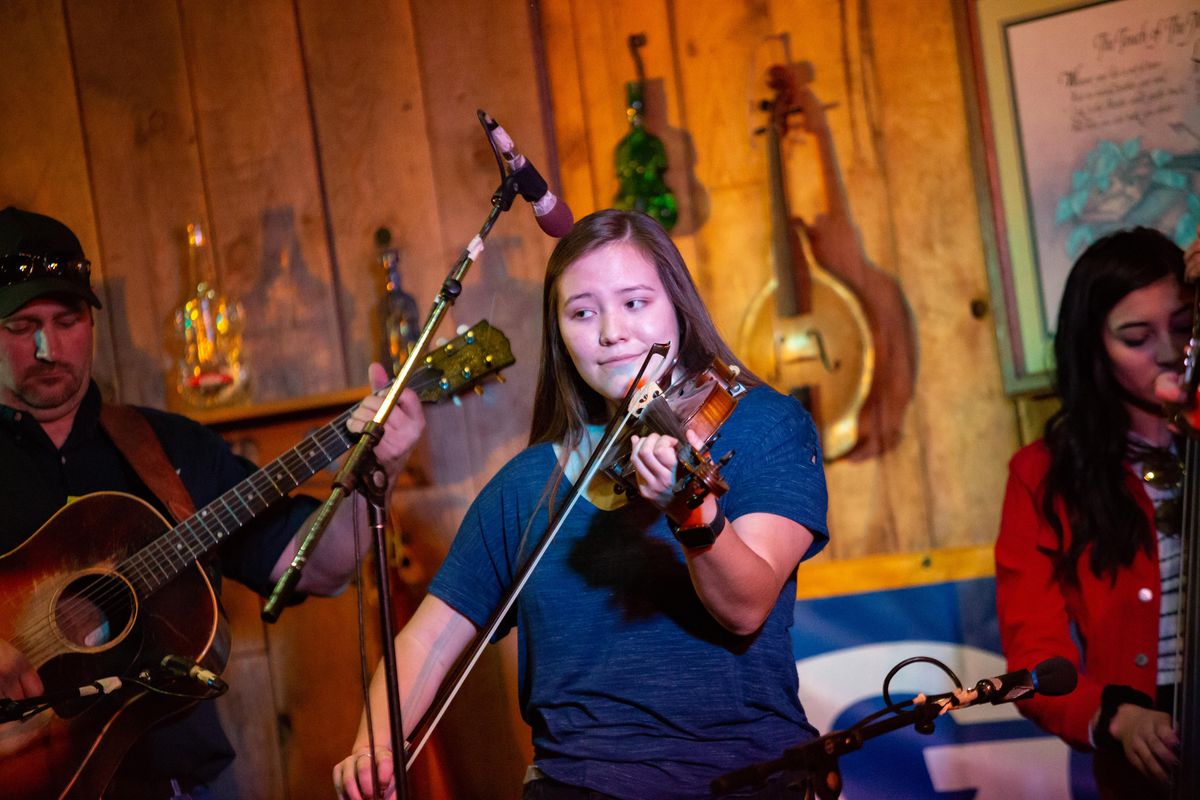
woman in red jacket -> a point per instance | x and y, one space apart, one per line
1087 559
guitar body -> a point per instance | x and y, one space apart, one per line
824 356
65 606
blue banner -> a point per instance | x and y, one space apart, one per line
844 647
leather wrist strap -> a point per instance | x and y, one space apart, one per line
694 532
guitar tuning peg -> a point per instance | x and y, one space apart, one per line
441 340
456 400
461 329
500 377
478 389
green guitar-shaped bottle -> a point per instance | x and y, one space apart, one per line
641 158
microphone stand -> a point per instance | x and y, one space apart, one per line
376 494
356 472
817 761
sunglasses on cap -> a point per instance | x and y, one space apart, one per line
21 267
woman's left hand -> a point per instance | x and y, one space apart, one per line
654 462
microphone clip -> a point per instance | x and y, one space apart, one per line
177 675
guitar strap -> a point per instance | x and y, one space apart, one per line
133 436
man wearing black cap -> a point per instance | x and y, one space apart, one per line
54 448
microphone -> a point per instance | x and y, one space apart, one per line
181 667
1051 678
551 213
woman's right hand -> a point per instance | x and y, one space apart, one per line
352 777
1148 739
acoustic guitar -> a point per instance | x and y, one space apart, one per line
108 588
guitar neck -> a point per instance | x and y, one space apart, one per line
159 562
455 366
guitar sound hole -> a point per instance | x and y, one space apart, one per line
94 611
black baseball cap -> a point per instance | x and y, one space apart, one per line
40 255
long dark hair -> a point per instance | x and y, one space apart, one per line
564 404
1088 436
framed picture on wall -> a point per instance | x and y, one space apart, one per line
1088 115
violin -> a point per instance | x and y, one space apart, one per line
700 404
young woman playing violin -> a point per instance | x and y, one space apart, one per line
649 666
1089 537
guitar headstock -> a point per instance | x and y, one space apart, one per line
465 361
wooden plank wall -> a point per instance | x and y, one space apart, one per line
890 69
295 128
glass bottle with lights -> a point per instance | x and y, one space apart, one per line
208 364
398 319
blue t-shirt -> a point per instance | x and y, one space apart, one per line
629 684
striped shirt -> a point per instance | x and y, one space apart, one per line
1166 498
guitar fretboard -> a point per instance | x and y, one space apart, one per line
162 560
453 367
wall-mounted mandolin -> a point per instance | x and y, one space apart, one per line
838 333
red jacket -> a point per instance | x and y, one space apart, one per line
1116 624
